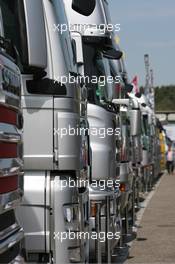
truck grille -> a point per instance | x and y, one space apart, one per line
11 123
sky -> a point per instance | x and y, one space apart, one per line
147 27
170 130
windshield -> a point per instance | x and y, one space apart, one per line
96 71
9 21
125 128
67 44
106 10
13 29
145 125
145 132
106 88
118 84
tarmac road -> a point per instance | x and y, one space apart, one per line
155 243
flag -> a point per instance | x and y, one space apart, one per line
135 84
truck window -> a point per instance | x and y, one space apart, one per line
10 20
125 150
106 10
118 84
90 69
65 36
102 85
13 20
97 69
145 132
146 127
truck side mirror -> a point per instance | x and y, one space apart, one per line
124 102
78 47
33 39
128 88
83 7
138 95
135 122
112 54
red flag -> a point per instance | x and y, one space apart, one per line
135 84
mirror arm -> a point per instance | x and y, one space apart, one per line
112 54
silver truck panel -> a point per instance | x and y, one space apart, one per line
145 160
54 208
37 109
32 213
37 53
135 121
66 196
38 148
124 171
136 150
67 148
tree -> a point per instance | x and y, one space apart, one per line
165 98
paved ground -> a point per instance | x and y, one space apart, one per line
155 242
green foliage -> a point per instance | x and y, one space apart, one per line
165 98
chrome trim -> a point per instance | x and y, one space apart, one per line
13 107
9 94
16 171
10 200
11 241
9 231
8 100
11 166
5 137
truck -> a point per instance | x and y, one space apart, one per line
54 208
11 141
127 165
148 141
136 146
100 99
129 150
75 186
